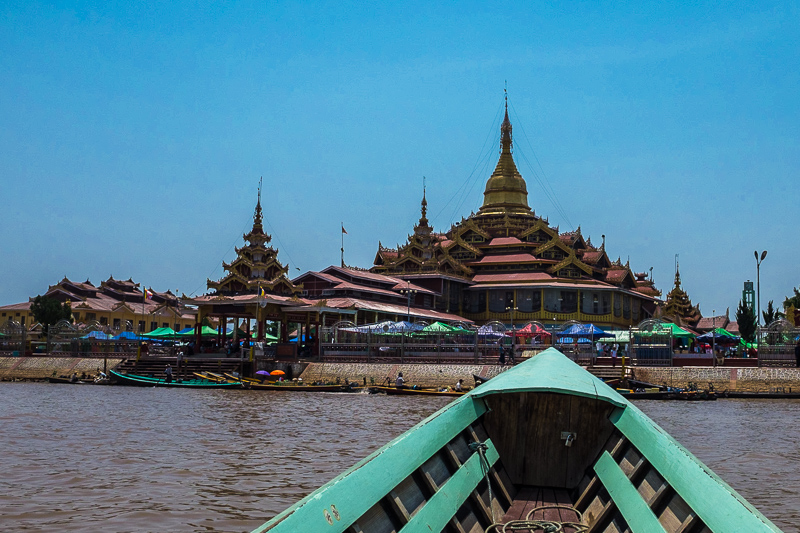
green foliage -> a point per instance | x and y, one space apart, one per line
48 311
794 300
206 322
746 318
771 314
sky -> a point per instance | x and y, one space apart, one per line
133 135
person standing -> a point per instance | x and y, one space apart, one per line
614 356
168 373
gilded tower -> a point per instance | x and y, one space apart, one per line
506 191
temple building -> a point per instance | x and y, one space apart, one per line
118 305
678 307
507 264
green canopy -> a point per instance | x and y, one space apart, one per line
161 333
205 331
441 327
662 329
267 336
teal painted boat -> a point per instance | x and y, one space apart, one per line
146 381
544 444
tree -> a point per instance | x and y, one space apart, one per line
746 318
793 301
771 314
47 311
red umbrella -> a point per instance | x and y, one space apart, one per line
531 330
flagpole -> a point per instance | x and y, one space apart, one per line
343 244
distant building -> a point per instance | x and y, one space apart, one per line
506 263
119 305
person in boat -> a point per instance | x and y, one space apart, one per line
168 373
399 382
459 385
74 378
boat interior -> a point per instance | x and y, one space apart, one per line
533 459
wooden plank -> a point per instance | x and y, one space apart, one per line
635 511
588 494
718 505
517 509
443 505
691 522
603 517
562 498
549 499
397 506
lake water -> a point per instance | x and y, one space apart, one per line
124 459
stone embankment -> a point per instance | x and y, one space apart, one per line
17 368
732 379
375 374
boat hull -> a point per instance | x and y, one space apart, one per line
545 433
416 392
145 381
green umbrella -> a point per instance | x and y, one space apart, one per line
161 333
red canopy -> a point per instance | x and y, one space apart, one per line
530 330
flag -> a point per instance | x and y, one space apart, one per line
148 294
344 230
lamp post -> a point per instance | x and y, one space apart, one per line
758 297
512 308
713 332
409 292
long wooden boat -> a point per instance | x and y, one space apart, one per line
406 391
543 442
146 381
297 388
64 380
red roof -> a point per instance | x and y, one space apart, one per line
393 309
518 276
616 274
591 258
508 258
504 241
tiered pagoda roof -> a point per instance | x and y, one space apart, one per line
504 240
256 265
678 305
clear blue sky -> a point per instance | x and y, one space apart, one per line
132 136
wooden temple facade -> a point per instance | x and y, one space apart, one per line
507 264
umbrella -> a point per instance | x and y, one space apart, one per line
262 373
587 331
720 336
277 373
530 330
96 335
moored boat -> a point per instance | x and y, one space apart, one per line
408 391
146 381
297 388
543 445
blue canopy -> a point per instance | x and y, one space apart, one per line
185 330
584 331
128 336
96 335
571 340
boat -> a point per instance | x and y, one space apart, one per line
64 380
146 381
543 445
408 391
294 387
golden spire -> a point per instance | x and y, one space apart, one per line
506 191
423 221
257 217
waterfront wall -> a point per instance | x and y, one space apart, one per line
734 379
414 374
45 367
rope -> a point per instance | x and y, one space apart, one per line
481 447
547 526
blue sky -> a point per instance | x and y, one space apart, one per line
133 136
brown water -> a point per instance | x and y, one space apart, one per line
118 459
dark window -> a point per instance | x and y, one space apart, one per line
116 323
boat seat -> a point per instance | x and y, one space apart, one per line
529 498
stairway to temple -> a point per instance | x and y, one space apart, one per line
154 366
608 372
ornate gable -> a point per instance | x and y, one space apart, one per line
256 265
570 267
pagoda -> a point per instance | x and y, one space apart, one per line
256 266
678 306
507 263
